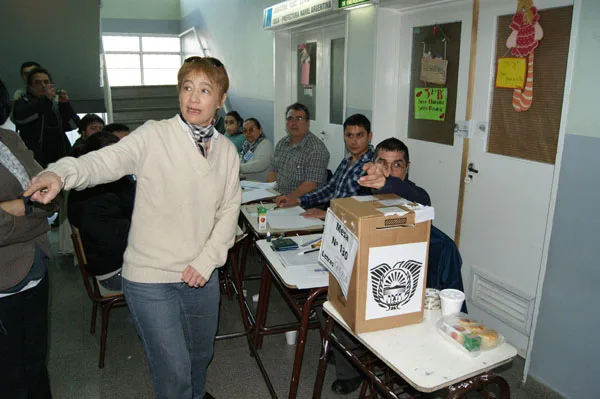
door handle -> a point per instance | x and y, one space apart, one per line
471 169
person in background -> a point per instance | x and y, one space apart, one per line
233 129
187 205
118 129
257 150
103 215
389 173
344 183
41 121
89 125
26 67
24 252
300 160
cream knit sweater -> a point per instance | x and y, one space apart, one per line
186 207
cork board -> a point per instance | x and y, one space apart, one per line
435 131
533 134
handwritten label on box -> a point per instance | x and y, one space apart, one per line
338 250
511 73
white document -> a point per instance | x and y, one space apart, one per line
297 258
395 282
338 250
289 218
256 194
258 184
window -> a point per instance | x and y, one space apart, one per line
135 60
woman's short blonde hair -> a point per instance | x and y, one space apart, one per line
209 66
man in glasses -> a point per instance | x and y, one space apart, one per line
300 160
344 183
389 172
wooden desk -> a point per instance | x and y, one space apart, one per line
419 355
301 286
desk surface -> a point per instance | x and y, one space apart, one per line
295 277
253 222
422 357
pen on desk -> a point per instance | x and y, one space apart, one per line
309 251
311 242
320 270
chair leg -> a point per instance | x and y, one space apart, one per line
105 312
94 314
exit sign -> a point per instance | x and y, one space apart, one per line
350 3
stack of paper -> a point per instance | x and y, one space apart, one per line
255 195
289 218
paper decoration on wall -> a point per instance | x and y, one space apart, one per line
511 72
430 103
433 68
305 57
524 39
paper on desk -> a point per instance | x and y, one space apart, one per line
258 184
296 258
255 194
289 218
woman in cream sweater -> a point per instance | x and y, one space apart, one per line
255 157
185 214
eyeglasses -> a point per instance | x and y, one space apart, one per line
396 165
297 118
215 62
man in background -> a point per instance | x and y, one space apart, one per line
300 159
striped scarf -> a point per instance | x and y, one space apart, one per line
200 134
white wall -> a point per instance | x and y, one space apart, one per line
234 33
140 9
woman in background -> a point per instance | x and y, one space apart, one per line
255 157
233 129
24 251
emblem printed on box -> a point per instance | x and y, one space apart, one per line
395 286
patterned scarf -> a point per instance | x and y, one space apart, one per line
247 146
200 134
14 166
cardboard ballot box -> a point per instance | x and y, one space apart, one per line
385 285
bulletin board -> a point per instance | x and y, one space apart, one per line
533 134
429 130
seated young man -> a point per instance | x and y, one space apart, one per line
344 183
103 215
389 173
89 125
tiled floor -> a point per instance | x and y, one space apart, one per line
73 357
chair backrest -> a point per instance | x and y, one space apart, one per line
91 285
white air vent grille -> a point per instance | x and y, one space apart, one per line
504 302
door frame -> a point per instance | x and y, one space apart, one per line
283 63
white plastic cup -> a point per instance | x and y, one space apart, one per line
452 301
291 336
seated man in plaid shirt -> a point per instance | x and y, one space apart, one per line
344 183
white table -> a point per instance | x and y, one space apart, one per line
421 356
300 286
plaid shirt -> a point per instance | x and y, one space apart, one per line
344 182
295 164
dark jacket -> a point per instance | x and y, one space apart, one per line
42 125
19 235
405 189
103 216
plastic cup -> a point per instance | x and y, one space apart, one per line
291 336
452 301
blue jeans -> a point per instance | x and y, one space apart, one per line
177 325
